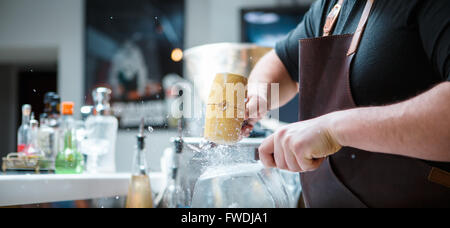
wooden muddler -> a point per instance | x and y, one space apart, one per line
225 110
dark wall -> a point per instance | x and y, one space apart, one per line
20 86
33 85
8 103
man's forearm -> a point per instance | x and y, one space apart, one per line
418 128
269 70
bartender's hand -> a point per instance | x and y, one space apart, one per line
300 147
256 108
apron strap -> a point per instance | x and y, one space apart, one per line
360 30
332 18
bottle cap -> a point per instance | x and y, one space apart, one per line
67 108
56 98
100 94
101 97
86 111
26 109
48 97
52 103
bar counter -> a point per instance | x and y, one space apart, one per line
47 188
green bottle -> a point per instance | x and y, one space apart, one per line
69 160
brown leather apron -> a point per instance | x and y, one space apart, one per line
352 177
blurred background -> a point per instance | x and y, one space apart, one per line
73 46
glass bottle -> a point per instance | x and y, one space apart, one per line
101 131
48 130
47 106
33 148
140 192
175 195
69 160
54 117
24 132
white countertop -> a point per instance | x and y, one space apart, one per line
33 189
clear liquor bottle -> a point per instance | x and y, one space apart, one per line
24 132
140 192
33 148
101 131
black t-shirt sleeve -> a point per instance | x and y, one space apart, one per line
434 28
287 49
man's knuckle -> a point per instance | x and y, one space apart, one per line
287 141
282 132
299 146
293 168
